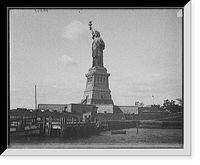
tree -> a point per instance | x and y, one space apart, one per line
155 106
166 103
172 106
180 101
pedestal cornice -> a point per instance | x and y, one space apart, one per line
97 71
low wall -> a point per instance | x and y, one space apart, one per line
160 124
116 125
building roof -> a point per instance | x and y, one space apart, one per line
129 109
40 114
54 104
127 106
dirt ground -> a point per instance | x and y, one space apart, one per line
146 138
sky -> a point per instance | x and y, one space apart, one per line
52 50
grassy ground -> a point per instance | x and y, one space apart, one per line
171 117
146 138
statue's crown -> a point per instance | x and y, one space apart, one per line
95 34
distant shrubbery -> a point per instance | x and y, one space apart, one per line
169 106
172 106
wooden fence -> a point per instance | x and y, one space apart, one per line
63 126
52 127
59 127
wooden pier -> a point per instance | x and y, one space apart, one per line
52 124
52 127
59 127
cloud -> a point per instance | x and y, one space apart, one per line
66 60
75 30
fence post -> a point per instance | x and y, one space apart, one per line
49 126
64 132
57 131
62 127
42 127
65 129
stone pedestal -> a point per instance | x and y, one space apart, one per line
97 87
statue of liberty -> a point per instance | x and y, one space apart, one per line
98 46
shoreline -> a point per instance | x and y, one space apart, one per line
146 138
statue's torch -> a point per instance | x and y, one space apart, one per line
90 25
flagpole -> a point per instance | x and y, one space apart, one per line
153 99
35 98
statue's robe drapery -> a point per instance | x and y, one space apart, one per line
98 46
